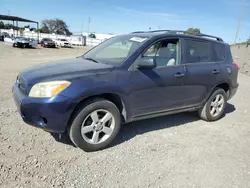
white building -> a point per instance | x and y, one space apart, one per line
73 39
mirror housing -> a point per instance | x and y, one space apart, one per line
146 63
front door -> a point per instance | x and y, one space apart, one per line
159 89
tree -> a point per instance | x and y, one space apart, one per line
193 30
44 29
57 26
8 26
33 29
27 26
92 35
1 25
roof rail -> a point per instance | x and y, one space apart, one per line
210 36
182 32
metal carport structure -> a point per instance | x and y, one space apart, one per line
18 19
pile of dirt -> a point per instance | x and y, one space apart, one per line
241 56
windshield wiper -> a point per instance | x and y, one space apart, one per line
91 59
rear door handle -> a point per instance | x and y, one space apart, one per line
215 71
179 75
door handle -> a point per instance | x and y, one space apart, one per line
179 75
215 71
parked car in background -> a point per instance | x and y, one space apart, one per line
127 78
3 35
62 43
48 42
24 42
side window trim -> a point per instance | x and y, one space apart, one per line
180 56
185 52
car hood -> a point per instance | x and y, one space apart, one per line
21 40
63 70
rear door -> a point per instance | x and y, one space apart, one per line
202 73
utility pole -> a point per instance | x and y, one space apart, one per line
239 21
8 15
81 34
89 20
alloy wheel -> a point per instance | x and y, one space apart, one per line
217 105
98 126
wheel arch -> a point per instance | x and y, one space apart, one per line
112 97
223 85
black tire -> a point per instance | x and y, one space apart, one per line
74 129
205 113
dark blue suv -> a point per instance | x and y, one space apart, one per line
127 78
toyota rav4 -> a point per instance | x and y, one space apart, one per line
127 78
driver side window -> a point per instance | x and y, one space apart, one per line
165 53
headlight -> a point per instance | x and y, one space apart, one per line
48 89
45 43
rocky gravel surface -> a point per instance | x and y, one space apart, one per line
173 151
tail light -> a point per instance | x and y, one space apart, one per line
235 66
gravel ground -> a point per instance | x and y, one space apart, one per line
173 151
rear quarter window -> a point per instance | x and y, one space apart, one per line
219 51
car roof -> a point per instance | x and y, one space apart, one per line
178 34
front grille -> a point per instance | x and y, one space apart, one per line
22 85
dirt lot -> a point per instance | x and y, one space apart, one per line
174 151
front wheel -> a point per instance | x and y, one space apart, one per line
95 125
214 108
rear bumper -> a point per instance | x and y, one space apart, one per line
232 92
50 114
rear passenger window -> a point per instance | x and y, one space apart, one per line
197 51
219 51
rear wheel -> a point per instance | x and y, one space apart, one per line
95 125
214 108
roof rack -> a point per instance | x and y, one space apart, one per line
182 32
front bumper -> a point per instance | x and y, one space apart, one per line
22 43
50 45
66 45
50 114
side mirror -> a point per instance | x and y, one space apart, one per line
146 63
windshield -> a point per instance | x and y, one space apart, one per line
115 50
21 38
